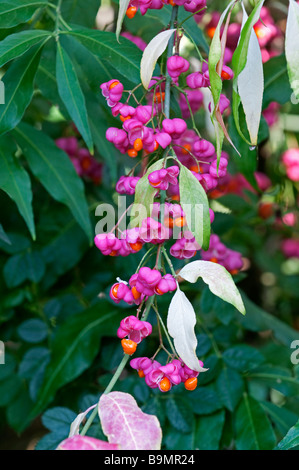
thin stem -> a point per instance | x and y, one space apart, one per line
168 261
174 15
190 110
108 389
144 257
58 15
166 332
190 16
117 373
195 46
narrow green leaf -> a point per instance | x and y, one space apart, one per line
33 330
282 418
73 348
125 58
278 378
3 236
17 44
216 82
77 12
195 204
205 400
218 279
71 94
15 181
248 44
123 6
20 267
18 81
253 428
277 87
55 171
230 386
214 57
14 12
291 439
208 431
179 413
243 357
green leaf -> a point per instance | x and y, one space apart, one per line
282 418
277 87
123 6
3 235
63 251
20 267
90 74
46 77
125 58
247 164
257 319
14 12
179 414
18 409
278 378
9 389
230 386
208 431
253 429
291 439
58 419
55 171
17 44
243 357
51 440
214 57
74 347
33 330
76 12
18 82
195 204
71 94
15 181
205 400
33 364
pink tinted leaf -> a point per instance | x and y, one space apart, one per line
124 422
85 443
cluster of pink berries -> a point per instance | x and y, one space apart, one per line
164 377
195 153
131 332
85 164
192 6
142 285
219 253
145 129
